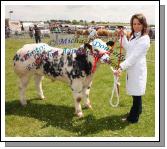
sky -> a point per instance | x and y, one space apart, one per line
111 13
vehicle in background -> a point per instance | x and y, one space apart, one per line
45 32
56 30
128 28
151 32
112 28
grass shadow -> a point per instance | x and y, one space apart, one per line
91 125
63 117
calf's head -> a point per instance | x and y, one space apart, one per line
100 49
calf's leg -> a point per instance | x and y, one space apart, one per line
77 100
77 89
38 83
87 103
86 92
23 84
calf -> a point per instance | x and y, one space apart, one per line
76 66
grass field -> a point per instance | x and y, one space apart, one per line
54 117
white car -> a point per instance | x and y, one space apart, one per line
45 32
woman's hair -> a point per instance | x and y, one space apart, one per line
142 20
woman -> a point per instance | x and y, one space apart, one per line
135 63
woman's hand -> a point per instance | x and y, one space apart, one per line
118 72
120 32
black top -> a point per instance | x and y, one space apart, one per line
37 31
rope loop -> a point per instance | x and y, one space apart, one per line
115 89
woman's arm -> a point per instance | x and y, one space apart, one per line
139 50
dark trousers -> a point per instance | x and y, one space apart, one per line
37 39
135 110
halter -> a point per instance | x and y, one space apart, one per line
96 59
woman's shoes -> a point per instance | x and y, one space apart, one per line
135 111
124 119
130 119
133 119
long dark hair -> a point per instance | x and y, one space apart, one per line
142 20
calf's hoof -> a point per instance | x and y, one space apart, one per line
43 98
89 106
23 103
80 114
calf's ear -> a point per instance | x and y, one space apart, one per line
87 46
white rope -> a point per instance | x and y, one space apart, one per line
114 89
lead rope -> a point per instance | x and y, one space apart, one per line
116 82
115 88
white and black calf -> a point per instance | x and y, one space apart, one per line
73 65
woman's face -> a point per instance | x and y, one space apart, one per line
137 26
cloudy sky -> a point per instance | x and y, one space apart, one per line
111 13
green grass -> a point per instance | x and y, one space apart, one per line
55 115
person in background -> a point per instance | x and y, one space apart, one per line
135 63
92 34
37 34
22 27
7 31
31 32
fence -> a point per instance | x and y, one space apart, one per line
64 39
